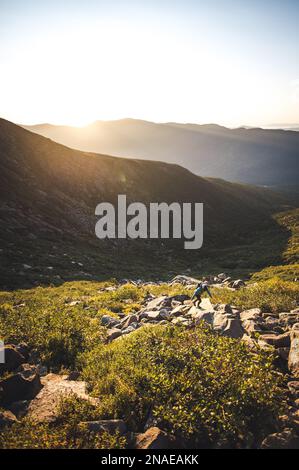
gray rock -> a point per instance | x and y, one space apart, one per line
251 314
184 280
44 407
238 283
127 321
152 315
155 438
223 308
107 320
158 302
287 439
180 309
278 341
113 333
12 358
220 321
128 330
288 318
293 387
293 362
250 326
233 329
7 418
207 317
23 385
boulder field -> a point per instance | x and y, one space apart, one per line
26 388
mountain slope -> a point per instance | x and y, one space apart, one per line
48 197
255 156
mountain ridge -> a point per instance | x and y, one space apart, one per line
255 156
49 193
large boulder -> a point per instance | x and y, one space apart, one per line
185 280
109 321
151 315
251 314
278 341
44 407
155 438
207 317
233 329
7 418
180 298
223 308
113 333
12 358
251 326
293 387
127 321
219 322
287 439
23 385
180 309
293 362
112 426
157 303
238 283
288 318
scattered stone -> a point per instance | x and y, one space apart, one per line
12 358
208 317
237 284
293 386
24 385
250 326
233 329
251 314
184 280
278 341
293 362
128 320
43 408
113 333
158 302
127 330
287 439
223 308
107 320
7 418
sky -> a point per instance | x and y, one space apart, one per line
223 61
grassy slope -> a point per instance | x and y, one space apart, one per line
49 193
128 376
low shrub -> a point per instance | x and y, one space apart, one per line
29 435
273 295
193 382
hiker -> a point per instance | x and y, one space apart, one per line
200 289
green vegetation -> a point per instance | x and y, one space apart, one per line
286 272
273 295
290 220
198 385
29 435
56 328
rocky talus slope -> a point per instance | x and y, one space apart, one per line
27 389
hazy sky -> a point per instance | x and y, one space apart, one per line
225 61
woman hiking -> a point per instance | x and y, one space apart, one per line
200 289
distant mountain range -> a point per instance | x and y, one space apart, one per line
48 195
267 157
